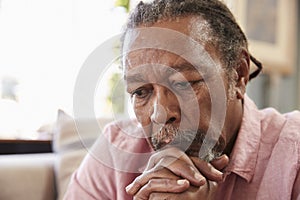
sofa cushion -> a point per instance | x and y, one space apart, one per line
27 176
72 140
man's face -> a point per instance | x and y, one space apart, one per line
172 96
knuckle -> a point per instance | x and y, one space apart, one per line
185 167
175 163
170 185
166 161
151 183
155 183
154 157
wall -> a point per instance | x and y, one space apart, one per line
282 93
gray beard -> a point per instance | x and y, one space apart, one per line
189 141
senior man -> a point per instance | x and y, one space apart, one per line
197 135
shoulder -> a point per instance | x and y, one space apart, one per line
293 119
125 126
286 125
281 130
291 132
291 126
124 131
123 135
114 158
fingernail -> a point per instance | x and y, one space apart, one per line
128 187
181 182
200 178
219 157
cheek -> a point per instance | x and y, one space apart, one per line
142 113
196 109
204 102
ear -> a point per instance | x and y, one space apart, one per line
242 70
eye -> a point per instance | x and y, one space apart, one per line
184 85
141 93
181 85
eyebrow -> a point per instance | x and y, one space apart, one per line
182 67
133 78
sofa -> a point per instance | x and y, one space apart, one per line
45 176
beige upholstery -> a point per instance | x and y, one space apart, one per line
46 176
29 176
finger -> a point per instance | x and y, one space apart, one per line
161 186
175 161
170 152
191 193
183 169
220 162
179 163
208 170
141 180
160 196
167 171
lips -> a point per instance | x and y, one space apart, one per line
164 136
172 136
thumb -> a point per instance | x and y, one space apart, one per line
220 162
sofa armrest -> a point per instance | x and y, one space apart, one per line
27 176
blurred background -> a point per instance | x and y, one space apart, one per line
43 45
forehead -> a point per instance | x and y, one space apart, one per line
169 42
156 61
182 29
158 66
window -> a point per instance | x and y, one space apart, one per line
43 46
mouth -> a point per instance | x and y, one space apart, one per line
189 141
166 135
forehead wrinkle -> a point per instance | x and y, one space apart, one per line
138 74
157 74
186 67
135 75
183 67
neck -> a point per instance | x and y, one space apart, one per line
234 120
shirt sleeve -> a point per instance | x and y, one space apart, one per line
103 173
296 188
296 128
95 180
92 180
78 191
87 183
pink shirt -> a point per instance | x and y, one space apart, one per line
264 164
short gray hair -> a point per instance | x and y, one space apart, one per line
226 35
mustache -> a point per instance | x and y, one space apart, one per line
170 135
189 141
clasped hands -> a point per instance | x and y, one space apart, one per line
171 174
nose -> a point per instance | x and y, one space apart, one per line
165 107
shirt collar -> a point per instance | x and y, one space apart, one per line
244 153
